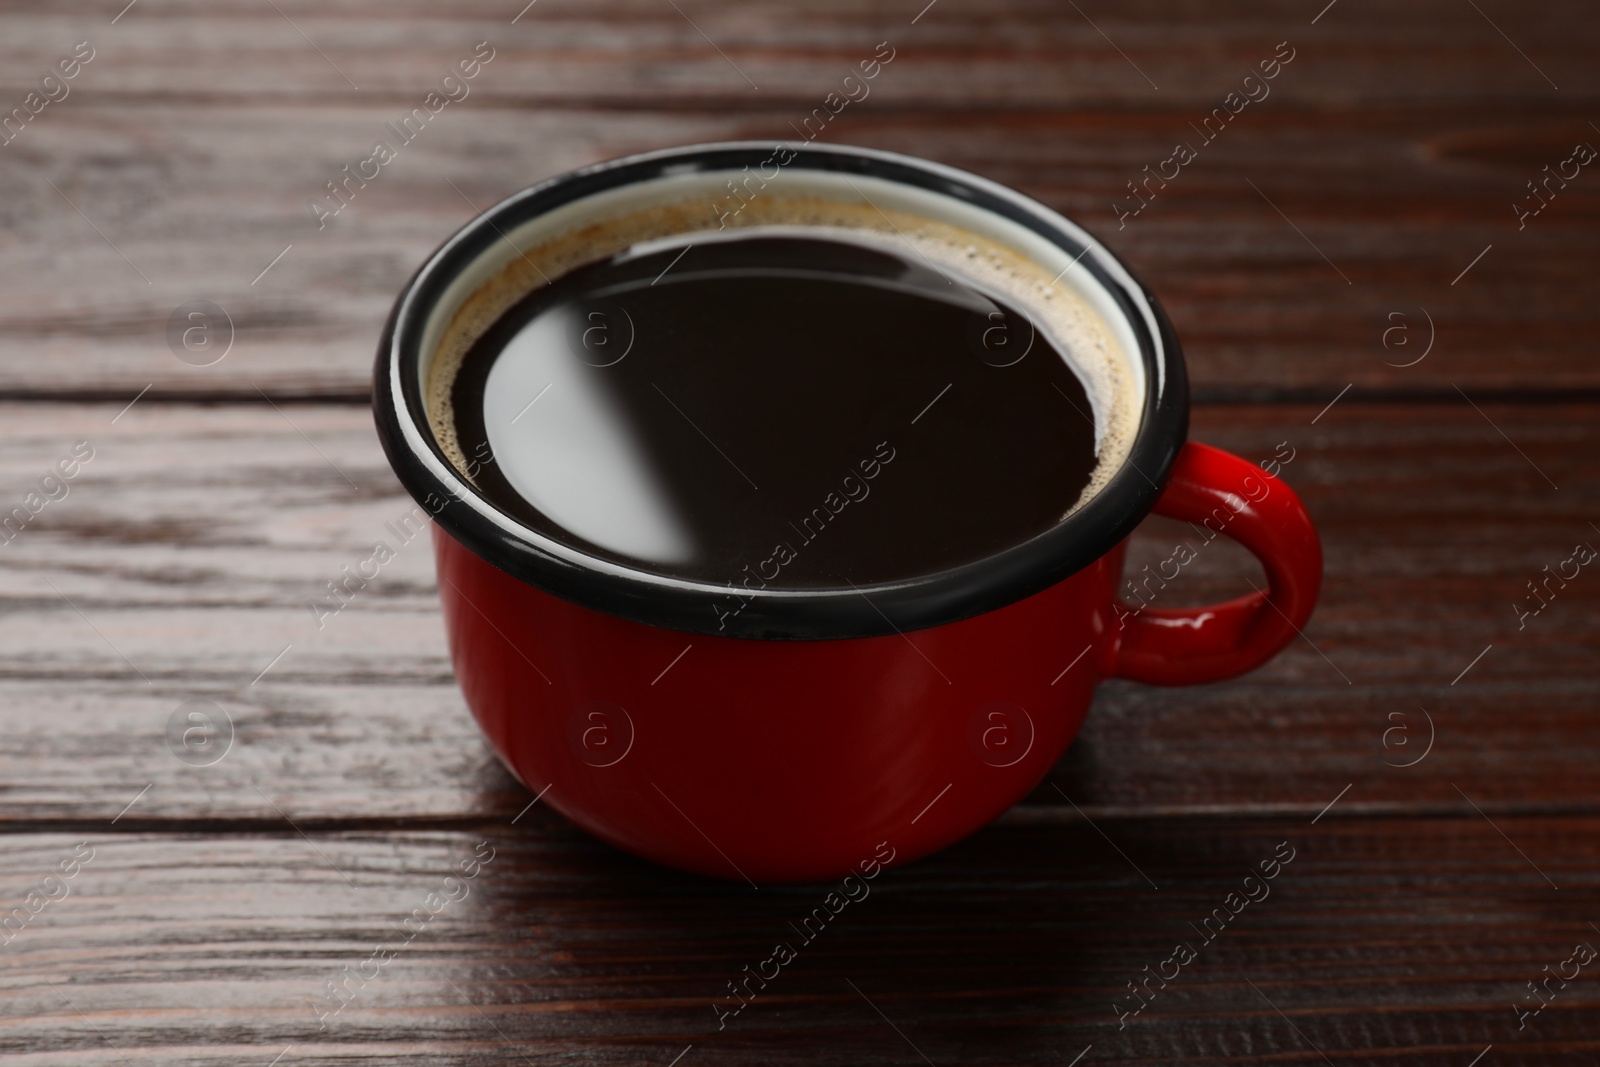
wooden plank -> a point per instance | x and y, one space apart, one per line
1388 942
627 51
1394 146
193 540
1255 304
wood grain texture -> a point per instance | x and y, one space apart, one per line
185 555
1382 942
1388 155
1430 758
638 51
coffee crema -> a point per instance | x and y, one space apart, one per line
825 395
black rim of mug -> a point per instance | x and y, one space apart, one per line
775 614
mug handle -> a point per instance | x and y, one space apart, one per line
1187 646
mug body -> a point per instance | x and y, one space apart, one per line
775 760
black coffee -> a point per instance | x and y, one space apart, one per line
815 411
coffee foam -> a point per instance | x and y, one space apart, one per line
631 221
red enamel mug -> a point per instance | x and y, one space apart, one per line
816 733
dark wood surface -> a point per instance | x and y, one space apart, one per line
220 899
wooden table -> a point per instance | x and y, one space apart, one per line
1346 267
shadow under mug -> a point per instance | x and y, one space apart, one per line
815 734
